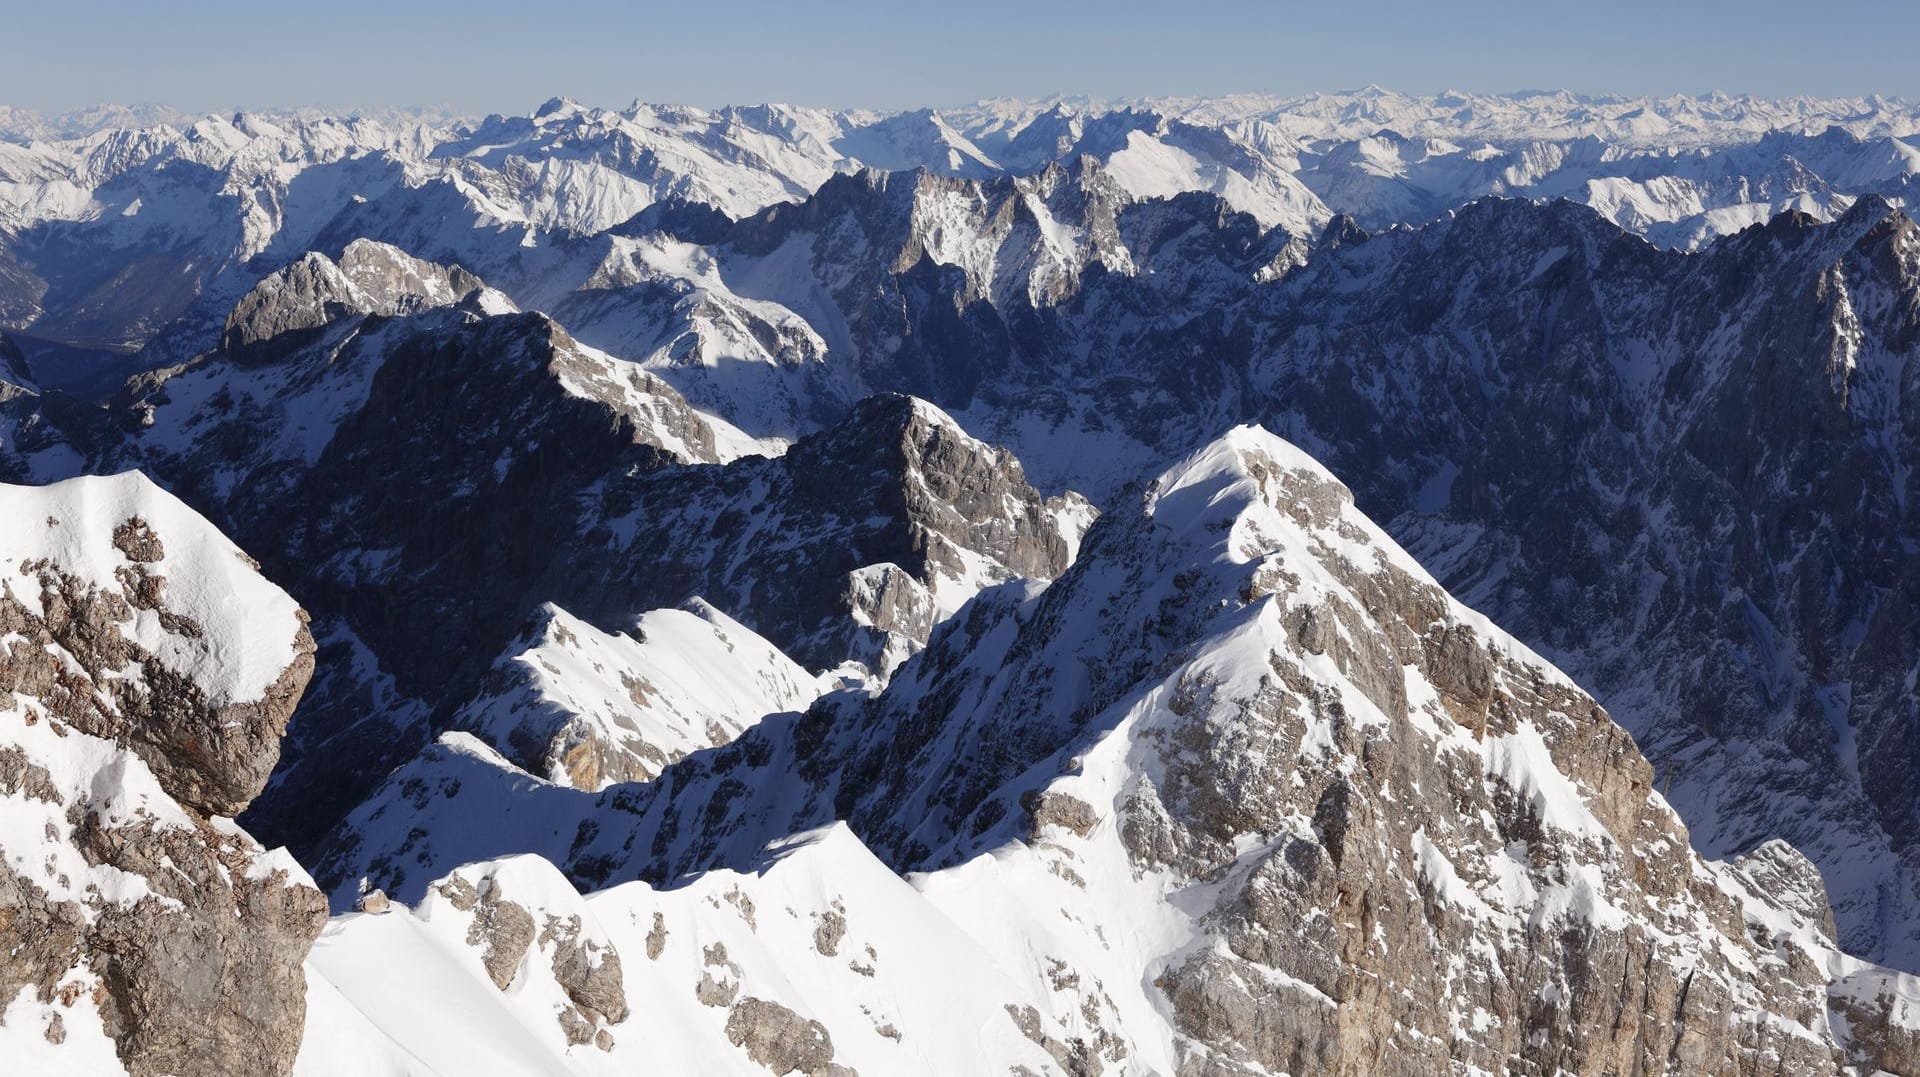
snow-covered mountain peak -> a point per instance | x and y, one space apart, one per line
558 108
909 140
400 283
1220 755
586 708
916 422
370 278
147 671
123 533
1224 480
1202 783
266 186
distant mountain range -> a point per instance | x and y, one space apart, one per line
1349 584
163 211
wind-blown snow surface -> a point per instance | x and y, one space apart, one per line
1243 791
587 708
246 625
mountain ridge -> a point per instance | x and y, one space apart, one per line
812 608
1246 548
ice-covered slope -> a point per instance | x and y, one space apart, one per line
146 674
1244 791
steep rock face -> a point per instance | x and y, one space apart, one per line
146 675
1709 457
849 546
1260 796
463 463
1420 844
576 479
347 435
369 278
1687 478
202 701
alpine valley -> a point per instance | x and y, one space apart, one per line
1339 585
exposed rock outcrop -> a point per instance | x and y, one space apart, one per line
515 925
1248 792
848 547
315 291
782 1040
146 673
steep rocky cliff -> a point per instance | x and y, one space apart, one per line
1245 791
1706 458
146 674
427 468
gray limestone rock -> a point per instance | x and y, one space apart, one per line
142 902
780 1039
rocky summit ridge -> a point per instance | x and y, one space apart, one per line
1243 791
767 590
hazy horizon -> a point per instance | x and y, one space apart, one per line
451 109
485 56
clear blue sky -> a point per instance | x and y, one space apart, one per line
486 55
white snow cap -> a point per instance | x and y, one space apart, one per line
247 625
